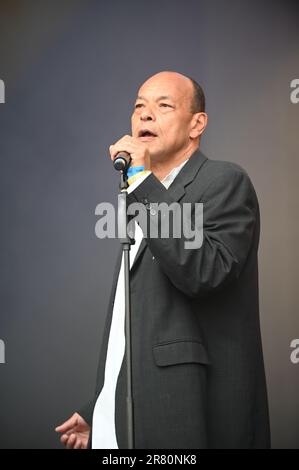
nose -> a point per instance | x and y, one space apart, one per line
147 114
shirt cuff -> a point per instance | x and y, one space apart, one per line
137 182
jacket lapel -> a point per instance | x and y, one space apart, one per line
177 187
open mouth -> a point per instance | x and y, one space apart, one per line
146 134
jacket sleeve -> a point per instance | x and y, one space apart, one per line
230 213
86 411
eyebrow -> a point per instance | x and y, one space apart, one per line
163 97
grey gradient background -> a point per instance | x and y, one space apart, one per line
71 70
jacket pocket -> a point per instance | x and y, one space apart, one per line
180 352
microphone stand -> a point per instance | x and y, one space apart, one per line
126 242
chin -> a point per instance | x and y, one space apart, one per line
156 154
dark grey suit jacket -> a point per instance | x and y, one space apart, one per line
198 371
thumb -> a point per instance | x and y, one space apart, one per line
69 424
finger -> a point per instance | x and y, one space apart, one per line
64 438
83 441
111 151
78 444
84 444
67 425
71 441
126 144
117 148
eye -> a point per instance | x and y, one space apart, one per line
138 105
165 105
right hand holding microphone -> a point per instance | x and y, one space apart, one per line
132 146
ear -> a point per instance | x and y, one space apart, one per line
198 124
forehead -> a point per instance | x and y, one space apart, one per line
174 88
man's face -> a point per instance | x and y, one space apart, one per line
163 108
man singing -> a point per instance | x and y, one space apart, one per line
198 372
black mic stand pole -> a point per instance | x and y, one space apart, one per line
126 241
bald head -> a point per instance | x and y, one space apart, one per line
178 78
191 90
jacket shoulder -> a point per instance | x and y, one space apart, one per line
215 170
221 177
223 168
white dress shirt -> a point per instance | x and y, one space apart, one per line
103 424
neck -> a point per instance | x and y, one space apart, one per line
162 168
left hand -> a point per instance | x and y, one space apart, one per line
75 432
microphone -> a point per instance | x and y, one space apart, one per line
122 161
